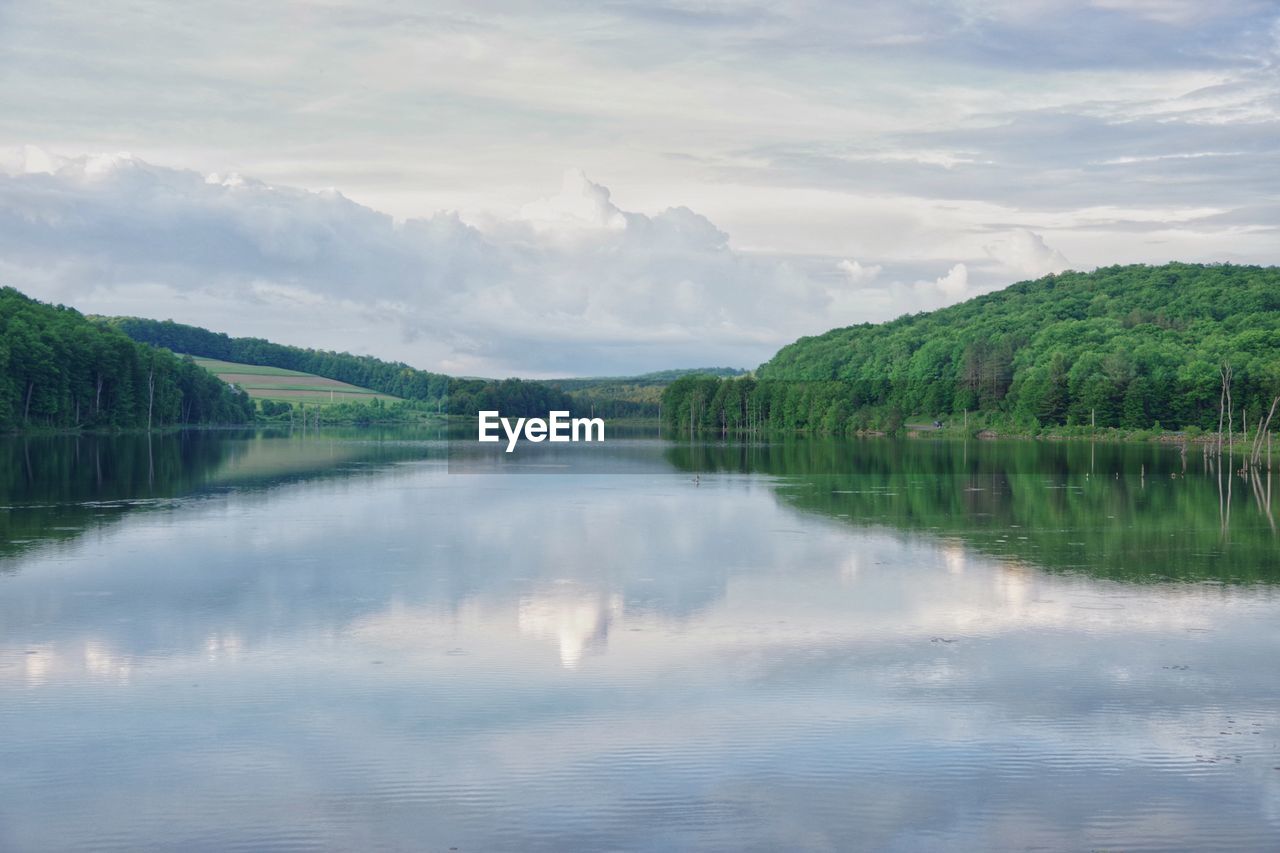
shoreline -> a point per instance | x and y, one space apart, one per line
1111 435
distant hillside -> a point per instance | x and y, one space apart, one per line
631 396
1129 346
59 370
288 386
513 397
613 397
393 378
656 378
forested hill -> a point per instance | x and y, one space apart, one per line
1132 346
631 396
514 397
395 378
59 370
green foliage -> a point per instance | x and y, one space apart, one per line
1126 347
516 398
274 409
394 378
512 397
630 396
58 370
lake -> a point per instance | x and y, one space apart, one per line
378 640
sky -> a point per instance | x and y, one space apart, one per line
605 188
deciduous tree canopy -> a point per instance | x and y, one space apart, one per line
59 370
1123 346
455 396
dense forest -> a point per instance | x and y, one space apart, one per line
1138 347
59 370
513 397
630 396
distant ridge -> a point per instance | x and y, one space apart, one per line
656 377
394 378
439 392
635 396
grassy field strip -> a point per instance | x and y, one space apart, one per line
275 383
215 366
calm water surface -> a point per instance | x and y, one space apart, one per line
351 641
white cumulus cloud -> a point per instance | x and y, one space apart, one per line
955 284
579 206
571 285
859 274
1025 253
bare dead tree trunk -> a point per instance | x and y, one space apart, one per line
1224 401
26 409
1231 415
151 393
1264 433
1224 500
1260 497
1222 398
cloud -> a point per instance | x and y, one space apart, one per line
955 284
25 160
1175 12
903 133
858 274
576 283
580 206
573 284
1026 253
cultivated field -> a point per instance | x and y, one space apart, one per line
275 383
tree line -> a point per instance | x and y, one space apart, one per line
395 378
1137 347
444 394
58 370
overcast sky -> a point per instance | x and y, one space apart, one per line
555 188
